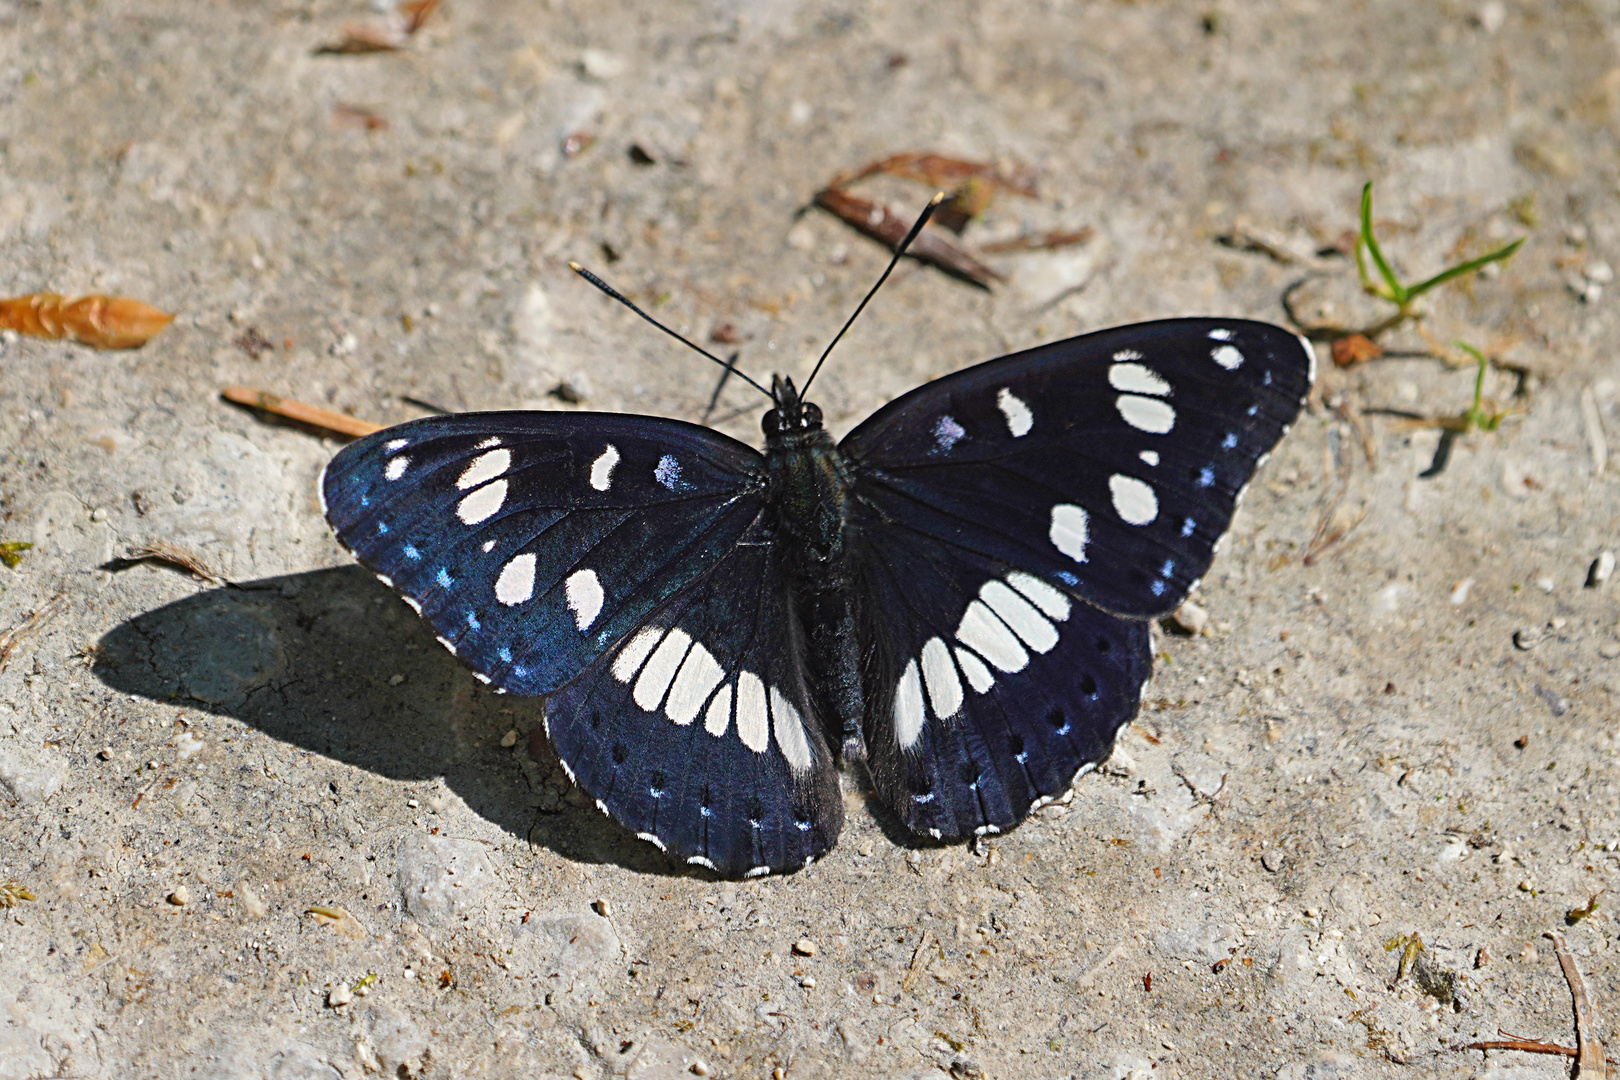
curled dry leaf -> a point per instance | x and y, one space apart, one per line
1355 349
102 322
937 170
1049 241
877 222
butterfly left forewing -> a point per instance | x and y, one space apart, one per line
531 541
698 733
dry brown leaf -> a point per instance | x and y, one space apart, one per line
1355 349
416 13
103 322
1050 241
937 170
362 38
877 222
345 115
297 410
174 555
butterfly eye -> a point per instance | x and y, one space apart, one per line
812 416
771 422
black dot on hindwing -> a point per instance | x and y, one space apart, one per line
596 719
1103 644
1054 716
1088 685
969 774
755 810
658 779
619 753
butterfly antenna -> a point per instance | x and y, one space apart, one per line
899 250
621 298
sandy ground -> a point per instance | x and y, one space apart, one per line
1356 751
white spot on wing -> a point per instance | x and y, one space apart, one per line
493 440
718 718
1149 456
1146 414
1126 354
789 727
1070 531
1019 417
628 662
1133 499
396 444
584 596
988 636
483 468
978 676
415 605
1137 379
602 468
1310 356
396 467
699 860
939 676
1051 602
660 670
516 583
753 725
757 871
699 675
651 839
1220 334
908 707
482 504
1020 616
1228 357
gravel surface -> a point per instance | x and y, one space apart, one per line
271 830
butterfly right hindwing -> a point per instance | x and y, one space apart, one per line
699 732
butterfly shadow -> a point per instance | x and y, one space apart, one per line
330 661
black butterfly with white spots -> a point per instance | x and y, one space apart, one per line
958 592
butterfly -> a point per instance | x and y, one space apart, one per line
958 592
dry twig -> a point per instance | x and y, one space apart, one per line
297 410
10 639
174 555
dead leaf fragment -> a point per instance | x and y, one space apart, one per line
338 919
877 222
1355 349
102 322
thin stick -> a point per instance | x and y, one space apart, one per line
10 639
900 250
297 410
621 298
1590 1065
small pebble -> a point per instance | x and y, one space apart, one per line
1311 913
395 680
808 982
602 908
1602 570
1600 273
865 849
1527 885
1459 592
700 1067
180 897
1527 637
1482 957
338 996
1191 618
1529 955
1545 583
510 739
99 514
105 753
804 947
1272 860
1609 650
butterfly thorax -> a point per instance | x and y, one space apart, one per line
808 484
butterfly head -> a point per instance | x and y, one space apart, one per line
791 414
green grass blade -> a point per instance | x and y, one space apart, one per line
1464 268
1397 293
